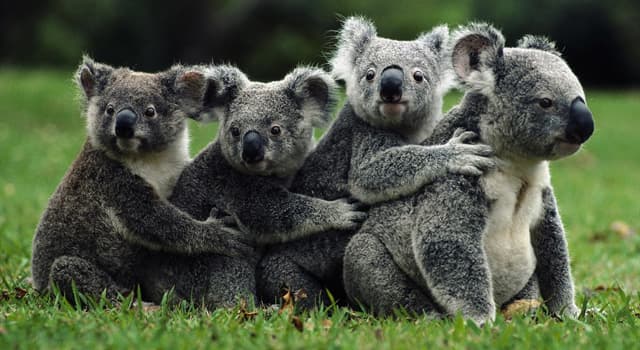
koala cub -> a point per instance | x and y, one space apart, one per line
470 245
394 99
111 207
265 134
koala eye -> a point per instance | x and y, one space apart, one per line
370 74
235 132
275 130
110 110
150 112
418 76
545 103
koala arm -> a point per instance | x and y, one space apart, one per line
272 214
191 195
146 219
552 255
383 168
465 116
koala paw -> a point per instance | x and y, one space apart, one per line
462 136
481 318
230 240
469 159
570 311
218 213
348 214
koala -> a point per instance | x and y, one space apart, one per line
466 244
110 208
265 134
394 99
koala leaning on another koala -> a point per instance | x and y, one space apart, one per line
394 92
264 136
110 208
470 245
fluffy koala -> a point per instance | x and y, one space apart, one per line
110 207
394 92
466 244
265 133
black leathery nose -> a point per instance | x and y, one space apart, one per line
581 125
252 147
125 123
391 84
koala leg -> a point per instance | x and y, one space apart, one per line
531 291
313 264
372 278
232 279
89 279
277 271
212 280
447 244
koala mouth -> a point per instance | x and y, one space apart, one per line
260 167
127 145
563 148
393 109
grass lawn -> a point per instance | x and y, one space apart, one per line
41 131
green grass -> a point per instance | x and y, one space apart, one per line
41 131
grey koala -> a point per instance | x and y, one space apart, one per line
394 92
265 134
470 244
110 208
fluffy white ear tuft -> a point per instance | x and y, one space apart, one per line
476 50
355 35
538 42
315 93
92 76
211 88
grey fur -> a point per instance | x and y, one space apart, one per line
254 194
370 151
110 208
447 250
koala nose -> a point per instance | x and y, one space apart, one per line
391 84
125 122
580 125
252 147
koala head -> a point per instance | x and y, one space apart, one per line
266 129
536 108
392 84
132 113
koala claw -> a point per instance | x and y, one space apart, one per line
473 160
229 221
237 244
461 136
351 214
229 240
570 311
217 213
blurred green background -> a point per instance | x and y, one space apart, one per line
266 38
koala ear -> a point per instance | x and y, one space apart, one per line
205 91
436 39
314 92
92 77
476 51
538 42
353 38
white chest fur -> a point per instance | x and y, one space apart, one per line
161 170
516 195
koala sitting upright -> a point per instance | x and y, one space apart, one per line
111 207
265 134
394 91
466 244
